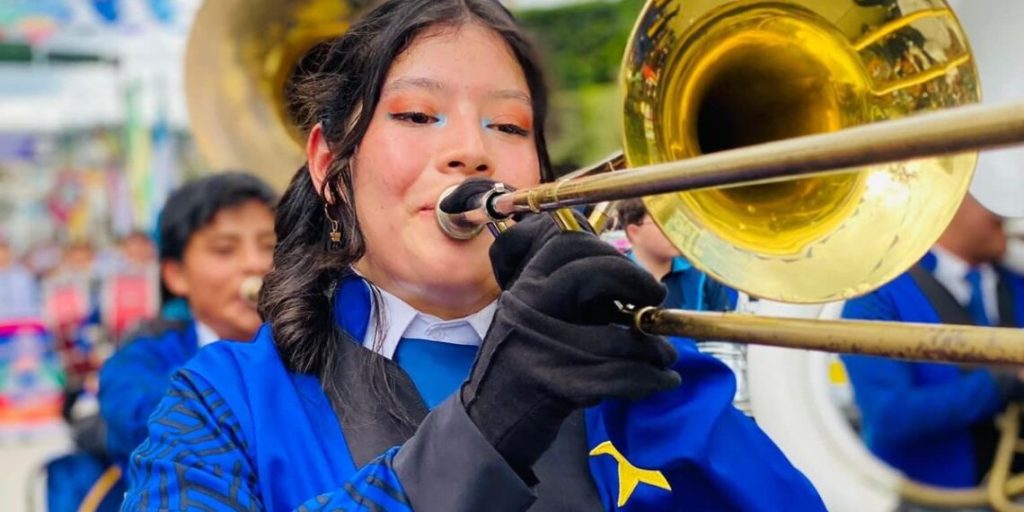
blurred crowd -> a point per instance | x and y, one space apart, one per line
86 297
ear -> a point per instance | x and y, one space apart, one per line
631 231
319 157
173 275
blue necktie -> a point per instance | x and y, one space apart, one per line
437 368
976 306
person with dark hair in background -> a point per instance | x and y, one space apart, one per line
214 233
935 421
403 370
687 286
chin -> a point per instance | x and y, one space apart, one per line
456 273
247 324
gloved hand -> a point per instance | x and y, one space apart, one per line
551 349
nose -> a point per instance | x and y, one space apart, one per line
256 260
465 150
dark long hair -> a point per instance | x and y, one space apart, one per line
342 93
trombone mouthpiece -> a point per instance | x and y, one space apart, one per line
464 209
250 289
454 224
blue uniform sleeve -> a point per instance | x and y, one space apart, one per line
132 382
708 455
195 458
892 401
892 406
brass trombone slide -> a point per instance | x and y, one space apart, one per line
925 342
946 132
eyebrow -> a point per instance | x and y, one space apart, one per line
510 94
412 82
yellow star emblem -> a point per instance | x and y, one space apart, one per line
630 476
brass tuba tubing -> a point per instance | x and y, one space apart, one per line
950 131
925 342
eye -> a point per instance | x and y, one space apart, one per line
511 129
222 250
414 117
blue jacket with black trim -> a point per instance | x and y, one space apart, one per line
238 430
918 416
136 378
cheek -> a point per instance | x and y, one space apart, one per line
518 166
213 282
214 272
387 165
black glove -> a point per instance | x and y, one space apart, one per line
551 349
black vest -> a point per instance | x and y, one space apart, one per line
370 430
984 433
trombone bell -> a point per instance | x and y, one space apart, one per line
703 76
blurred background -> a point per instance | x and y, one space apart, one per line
94 134
94 130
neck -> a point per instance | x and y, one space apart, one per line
951 246
435 300
656 265
456 307
223 332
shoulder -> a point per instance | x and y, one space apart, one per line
160 339
900 300
246 381
901 286
214 357
719 297
160 328
239 371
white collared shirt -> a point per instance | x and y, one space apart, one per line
205 335
951 272
403 321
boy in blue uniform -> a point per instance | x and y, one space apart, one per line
688 287
403 370
215 232
933 421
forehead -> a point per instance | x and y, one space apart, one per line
249 213
467 57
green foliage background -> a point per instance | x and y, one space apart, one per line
582 46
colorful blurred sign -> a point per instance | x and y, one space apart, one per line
128 299
32 20
66 302
18 147
31 381
35 21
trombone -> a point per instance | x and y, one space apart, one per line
821 214
951 131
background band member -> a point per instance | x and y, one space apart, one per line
403 370
688 287
214 233
934 421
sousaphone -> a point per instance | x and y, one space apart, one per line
241 56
